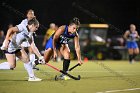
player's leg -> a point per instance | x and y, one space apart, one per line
11 64
27 64
136 52
32 58
59 56
65 51
48 50
48 54
130 52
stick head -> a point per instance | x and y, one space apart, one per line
79 77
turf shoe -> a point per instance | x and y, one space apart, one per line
64 77
34 79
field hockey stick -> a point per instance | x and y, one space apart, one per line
73 77
57 77
74 67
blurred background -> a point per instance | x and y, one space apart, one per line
103 22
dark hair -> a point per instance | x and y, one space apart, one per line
29 11
75 20
33 21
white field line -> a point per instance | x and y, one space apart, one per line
122 90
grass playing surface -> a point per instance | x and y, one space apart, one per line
96 77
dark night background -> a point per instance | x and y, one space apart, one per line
118 13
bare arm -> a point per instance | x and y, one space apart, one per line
56 37
137 35
35 49
126 34
9 34
77 48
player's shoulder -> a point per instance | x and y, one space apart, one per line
62 27
127 31
136 31
24 22
22 27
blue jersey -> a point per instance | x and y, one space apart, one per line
63 39
131 41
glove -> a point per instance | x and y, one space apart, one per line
41 60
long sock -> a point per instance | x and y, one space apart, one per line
5 65
130 58
66 64
17 59
28 67
134 55
32 57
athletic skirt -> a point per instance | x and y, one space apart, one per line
132 44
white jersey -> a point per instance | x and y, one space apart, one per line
25 43
22 36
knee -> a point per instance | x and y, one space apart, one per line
26 59
30 50
46 58
67 55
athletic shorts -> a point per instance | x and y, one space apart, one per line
14 52
12 48
131 44
49 44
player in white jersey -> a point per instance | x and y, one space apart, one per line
30 15
21 33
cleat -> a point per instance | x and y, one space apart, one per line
64 77
36 68
34 79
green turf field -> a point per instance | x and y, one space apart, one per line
96 77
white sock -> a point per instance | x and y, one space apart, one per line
32 57
17 59
28 67
4 65
58 59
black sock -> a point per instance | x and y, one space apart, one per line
66 64
134 55
130 58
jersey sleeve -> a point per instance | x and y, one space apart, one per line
20 27
24 22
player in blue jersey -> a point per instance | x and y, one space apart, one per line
60 40
131 37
